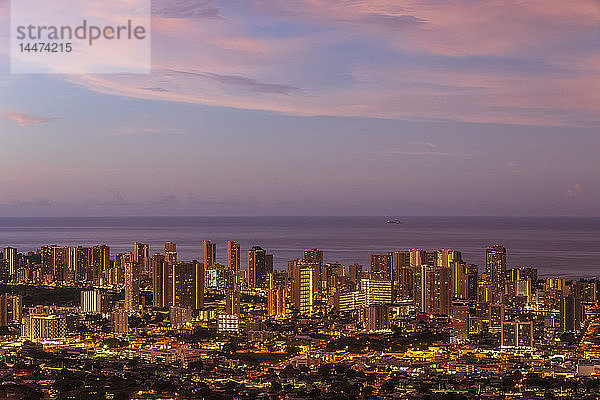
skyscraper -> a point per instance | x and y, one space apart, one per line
276 297
60 260
376 318
209 250
375 291
495 270
11 309
354 273
381 266
233 256
460 319
10 255
178 285
132 286
404 285
314 256
91 301
260 264
80 264
447 257
170 253
100 263
303 275
401 261
435 290
159 281
472 280
232 292
141 255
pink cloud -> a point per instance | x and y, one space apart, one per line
24 119
229 64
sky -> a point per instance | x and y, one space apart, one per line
319 107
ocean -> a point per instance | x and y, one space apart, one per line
567 247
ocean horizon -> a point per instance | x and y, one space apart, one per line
557 246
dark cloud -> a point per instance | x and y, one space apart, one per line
252 84
391 21
155 89
241 82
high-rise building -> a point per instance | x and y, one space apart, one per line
434 290
376 318
401 261
141 255
517 334
495 270
100 264
417 257
159 282
495 317
523 289
349 300
423 257
233 256
315 257
228 323
232 292
381 266
571 314
91 301
276 298
447 257
60 262
119 319
80 264
355 273
170 253
332 275
260 264
303 287
404 284
132 286
460 319
375 291
472 280
178 285
42 327
10 256
11 309
519 274
459 278
209 250
188 284
179 316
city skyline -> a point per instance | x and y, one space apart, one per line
318 108
299 199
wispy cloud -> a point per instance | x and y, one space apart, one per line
252 84
514 62
24 119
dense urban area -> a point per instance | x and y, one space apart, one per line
77 322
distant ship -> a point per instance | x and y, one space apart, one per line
393 221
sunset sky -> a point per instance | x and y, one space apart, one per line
319 107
